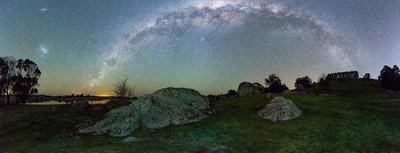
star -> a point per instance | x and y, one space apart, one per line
208 45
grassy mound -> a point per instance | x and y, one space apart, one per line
356 87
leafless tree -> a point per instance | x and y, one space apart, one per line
123 89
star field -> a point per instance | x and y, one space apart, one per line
211 46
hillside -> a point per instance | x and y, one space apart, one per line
356 87
342 123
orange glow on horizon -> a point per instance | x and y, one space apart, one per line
104 94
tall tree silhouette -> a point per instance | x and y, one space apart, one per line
3 70
323 82
7 75
26 79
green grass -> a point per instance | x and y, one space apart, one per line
344 123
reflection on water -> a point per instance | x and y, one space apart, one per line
54 102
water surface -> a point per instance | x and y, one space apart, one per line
55 102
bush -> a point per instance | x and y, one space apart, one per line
367 76
232 93
390 78
306 82
274 84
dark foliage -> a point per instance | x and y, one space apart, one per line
306 82
323 82
390 78
273 79
3 72
343 75
274 84
19 78
232 93
213 98
367 76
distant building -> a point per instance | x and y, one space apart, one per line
343 75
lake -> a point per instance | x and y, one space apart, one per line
54 102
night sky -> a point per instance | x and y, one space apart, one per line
84 46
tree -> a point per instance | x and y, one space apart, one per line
26 80
396 69
7 75
272 80
232 93
306 82
3 70
274 84
18 77
323 82
390 78
122 89
367 76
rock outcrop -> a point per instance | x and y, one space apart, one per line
247 89
280 109
168 106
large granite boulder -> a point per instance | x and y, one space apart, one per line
169 106
247 89
280 109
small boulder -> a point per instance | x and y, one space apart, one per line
247 89
80 105
280 109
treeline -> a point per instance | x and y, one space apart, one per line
343 75
18 78
389 78
274 84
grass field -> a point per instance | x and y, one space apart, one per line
361 118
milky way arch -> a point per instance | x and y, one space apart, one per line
217 15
